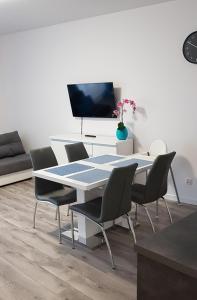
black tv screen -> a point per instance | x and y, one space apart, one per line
94 100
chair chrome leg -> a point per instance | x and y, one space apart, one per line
34 217
130 224
59 225
72 230
146 174
108 246
149 217
56 214
175 187
135 212
68 210
169 213
157 209
104 235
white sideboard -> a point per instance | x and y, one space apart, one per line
94 145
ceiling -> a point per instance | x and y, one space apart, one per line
20 15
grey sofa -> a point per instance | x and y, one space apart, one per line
15 163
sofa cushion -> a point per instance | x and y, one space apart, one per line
11 149
5 151
16 148
15 164
10 144
10 137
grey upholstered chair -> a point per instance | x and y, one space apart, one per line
46 190
156 184
115 203
76 151
158 147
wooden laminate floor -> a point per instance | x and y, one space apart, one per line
34 266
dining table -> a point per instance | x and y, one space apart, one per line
89 177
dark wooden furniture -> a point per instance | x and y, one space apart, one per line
167 263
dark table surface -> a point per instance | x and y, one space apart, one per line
175 246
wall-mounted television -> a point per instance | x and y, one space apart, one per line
94 100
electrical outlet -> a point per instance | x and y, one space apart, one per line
189 181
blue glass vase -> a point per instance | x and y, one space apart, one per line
122 134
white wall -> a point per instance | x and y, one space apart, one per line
139 50
6 119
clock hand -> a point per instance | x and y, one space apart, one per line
192 44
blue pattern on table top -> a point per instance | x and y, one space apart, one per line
140 162
91 176
104 159
68 169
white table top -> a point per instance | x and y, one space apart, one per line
87 174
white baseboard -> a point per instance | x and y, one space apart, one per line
14 177
187 200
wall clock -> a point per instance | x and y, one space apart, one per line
190 48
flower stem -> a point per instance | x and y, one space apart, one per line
122 112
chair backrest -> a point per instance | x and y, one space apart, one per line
157 180
44 158
157 147
117 196
76 151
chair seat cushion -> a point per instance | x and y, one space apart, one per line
137 193
15 164
59 197
91 209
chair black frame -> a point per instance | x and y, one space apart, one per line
76 151
171 171
156 185
44 158
114 204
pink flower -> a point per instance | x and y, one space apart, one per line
133 104
116 112
119 104
126 101
120 110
